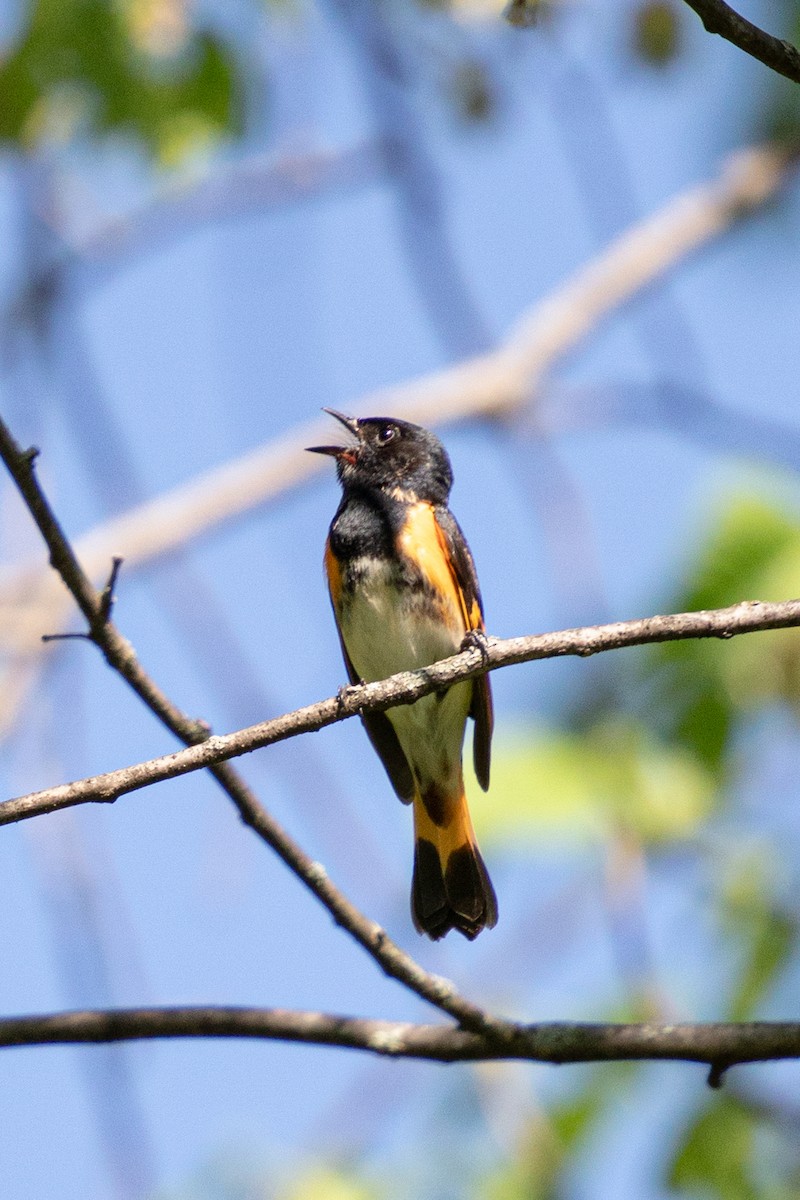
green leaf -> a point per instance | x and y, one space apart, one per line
582 785
748 536
699 689
657 32
94 57
715 1157
762 931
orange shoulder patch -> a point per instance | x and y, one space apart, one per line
423 542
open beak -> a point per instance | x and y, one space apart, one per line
345 452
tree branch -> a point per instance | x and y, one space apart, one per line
718 1045
259 184
778 55
750 616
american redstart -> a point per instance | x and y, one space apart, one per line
405 594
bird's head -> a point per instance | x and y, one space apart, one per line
392 456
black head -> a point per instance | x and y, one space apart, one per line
391 455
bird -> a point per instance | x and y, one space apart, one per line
405 594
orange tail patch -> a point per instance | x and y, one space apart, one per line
451 888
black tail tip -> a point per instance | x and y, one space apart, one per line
461 898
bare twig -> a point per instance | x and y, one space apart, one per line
719 1046
775 53
749 616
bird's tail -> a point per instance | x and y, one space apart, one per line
451 888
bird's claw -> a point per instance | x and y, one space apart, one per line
476 639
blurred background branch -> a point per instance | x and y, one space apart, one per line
495 384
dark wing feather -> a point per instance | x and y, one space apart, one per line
466 578
380 732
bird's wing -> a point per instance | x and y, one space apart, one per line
462 566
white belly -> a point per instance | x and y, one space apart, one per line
382 638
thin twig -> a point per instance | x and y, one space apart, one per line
719 1046
749 616
107 598
775 53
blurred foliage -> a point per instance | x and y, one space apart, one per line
525 14
582 785
656 34
729 1148
472 91
135 67
763 933
236 1176
650 754
328 1183
550 1140
655 756
715 1158
781 117
733 1150
700 690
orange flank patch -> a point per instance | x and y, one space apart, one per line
423 542
333 572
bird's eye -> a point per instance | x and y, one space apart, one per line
386 434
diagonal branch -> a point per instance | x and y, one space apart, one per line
778 55
749 616
718 1045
